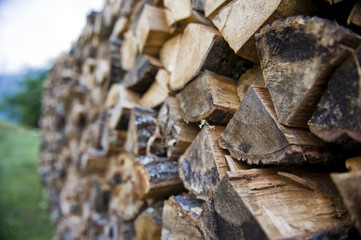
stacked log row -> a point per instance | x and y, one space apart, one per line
200 119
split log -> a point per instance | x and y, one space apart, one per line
238 21
120 169
204 48
169 51
274 204
148 225
254 135
128 50
152 30
157 177
180 218
353 164
354 19
141 127
141 76
94 160
177 134
297 59
209 97
158 91
203 164
252 76
179 10
118 229
211 6
338 115
120 26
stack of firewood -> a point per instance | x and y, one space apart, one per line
207 119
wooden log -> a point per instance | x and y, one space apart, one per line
180 218
128 50
209 97
118 229
293 44
179 10
274 204
169 51
252 76
120 169
354 19
178 26
120 26
204 48
158 91
348 185
157 177
338 114
152 30
142 125
211 6
148 225
353 164
94 160
203 164
142 75
254 135
177 134
238 21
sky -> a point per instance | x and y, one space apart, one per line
34 32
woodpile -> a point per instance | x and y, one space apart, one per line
207 119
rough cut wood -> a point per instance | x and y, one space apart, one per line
353 164
157 177
179 10
204 48
209 97
180 218
297 59
128 50
239 20
152 30
338 115
203 164
118 229
142 124
94 160
273 204
254 135
119 27
169 51
252 76
176 133
211 6
148 225
120 169
355 15
141 76
158 91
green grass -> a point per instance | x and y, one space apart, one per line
22 201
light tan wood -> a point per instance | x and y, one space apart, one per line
148 225
179 10
158 91
211 6
252 76
353 164
274 204
169 51
128 50
152 30
120 26
112 97
355 15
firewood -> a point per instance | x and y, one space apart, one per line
353 164
238 21
169 51
355 15
120 26
117 73
157 177
179 10
233 165
152 30
211 6
300 45
142 124
209 97
338 114
120 169
254 135
158 91
204 48
177 134
203 164
128 50
180 218
148 225
141 76
273 203
93 160
252 76
118 229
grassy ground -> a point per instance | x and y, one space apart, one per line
22 202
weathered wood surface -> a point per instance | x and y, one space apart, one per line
338 114
148 225
203 164
156 176
252 76
141 76
180 218
253 135
238 21
158 91
354 19
169 51
297 58
129 50
204 48
273 204
209 97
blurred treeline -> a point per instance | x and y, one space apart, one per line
25 105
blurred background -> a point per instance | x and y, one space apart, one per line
32 34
